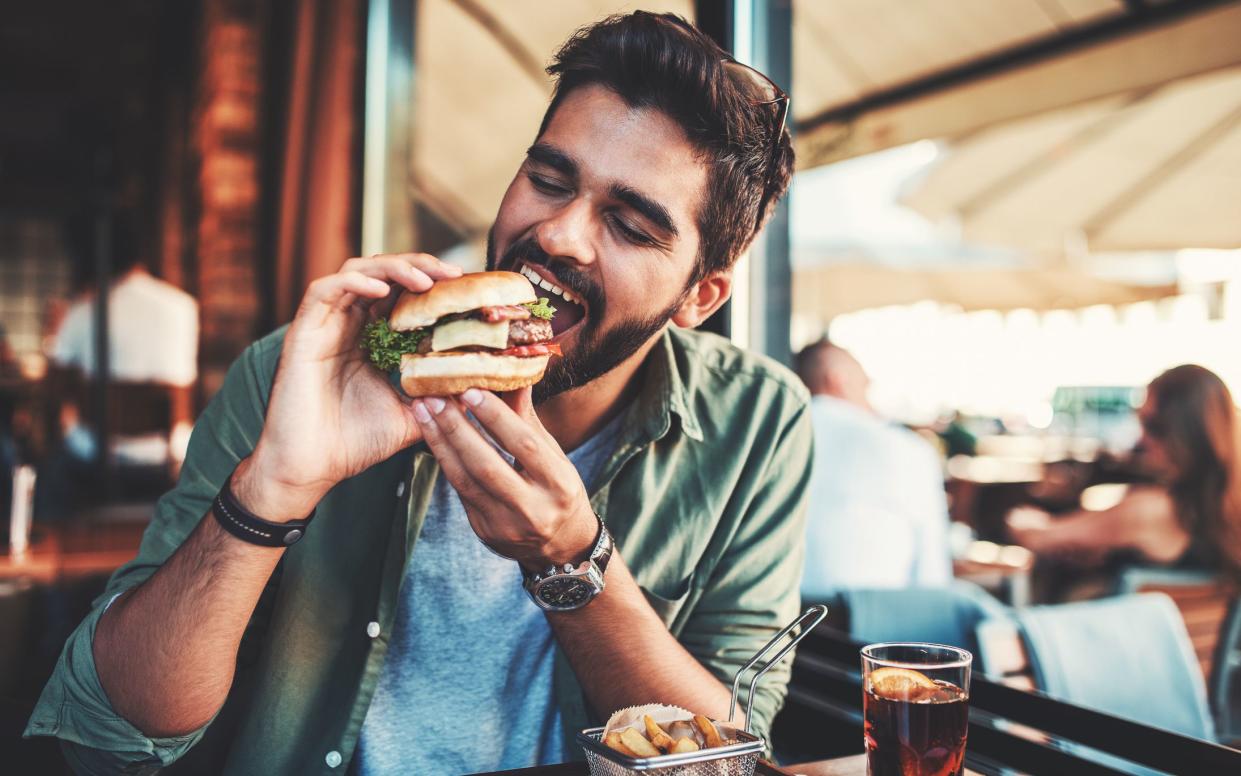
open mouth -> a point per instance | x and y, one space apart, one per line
570 309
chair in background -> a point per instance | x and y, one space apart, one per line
1200 596
941 615
1225 678
1128 655
148 424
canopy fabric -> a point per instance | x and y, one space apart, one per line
844 50
1153 170
824 292
874 75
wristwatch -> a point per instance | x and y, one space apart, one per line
565 588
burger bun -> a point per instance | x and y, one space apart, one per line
460 295
442 374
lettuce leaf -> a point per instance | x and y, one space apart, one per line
540 309
385 346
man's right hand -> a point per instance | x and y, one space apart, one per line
332 414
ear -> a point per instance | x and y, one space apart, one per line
704 298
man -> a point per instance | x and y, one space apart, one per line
152 338
880 515
390 640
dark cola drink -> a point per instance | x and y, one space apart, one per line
914 728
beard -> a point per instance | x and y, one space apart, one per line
599 349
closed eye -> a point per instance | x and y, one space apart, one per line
632 235
546 185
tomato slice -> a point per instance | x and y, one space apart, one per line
537 349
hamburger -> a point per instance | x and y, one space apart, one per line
481 330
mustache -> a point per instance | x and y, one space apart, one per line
528 251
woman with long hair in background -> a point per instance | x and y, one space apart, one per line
1190 515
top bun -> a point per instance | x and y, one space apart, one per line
459 295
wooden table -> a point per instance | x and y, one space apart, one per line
65 551
842 766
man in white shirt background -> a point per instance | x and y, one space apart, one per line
152 343
878 515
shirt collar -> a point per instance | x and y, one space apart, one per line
665 392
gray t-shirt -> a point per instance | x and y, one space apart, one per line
467 683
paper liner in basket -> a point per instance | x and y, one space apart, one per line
631 717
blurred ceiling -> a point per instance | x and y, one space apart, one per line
77 81
1158 169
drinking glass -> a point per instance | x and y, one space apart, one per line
915 698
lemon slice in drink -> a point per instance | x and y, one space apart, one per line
900 683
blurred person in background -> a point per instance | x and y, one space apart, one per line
1189 515
152 341
152 324
878 515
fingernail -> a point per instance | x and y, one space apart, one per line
420 412
436 404
472 397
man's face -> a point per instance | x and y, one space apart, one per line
603 207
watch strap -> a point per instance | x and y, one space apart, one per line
251 528
604 546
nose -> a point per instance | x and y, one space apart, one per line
567 233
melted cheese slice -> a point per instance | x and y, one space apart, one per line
457 334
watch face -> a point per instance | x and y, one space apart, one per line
565 592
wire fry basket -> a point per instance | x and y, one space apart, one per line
737 758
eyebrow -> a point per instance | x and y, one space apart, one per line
654 212
553 157
558 160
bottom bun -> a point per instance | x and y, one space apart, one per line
440 375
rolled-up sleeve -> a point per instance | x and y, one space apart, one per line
754 590
75 709
73 706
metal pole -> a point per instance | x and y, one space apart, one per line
715 19
99 382
770 50
387 205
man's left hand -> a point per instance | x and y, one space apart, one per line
537 512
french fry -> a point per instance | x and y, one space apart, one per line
710 735
682 745
657 735
613 741
637 744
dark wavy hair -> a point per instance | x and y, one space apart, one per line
661 61
1196 421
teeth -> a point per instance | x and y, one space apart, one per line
540 282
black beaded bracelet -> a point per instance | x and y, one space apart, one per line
253 529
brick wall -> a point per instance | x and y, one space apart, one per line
227 140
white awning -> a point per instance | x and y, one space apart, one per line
1152 170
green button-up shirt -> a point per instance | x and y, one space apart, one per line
704 495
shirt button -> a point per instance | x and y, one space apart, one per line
400 490
332 759
372 630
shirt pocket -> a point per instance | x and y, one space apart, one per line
669 600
